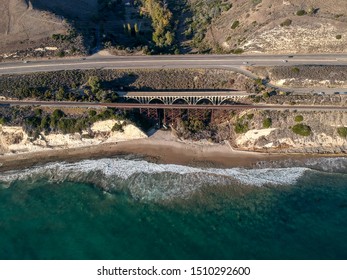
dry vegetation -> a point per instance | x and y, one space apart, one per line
26 27
304 76
274 26
303 132
77 83
222 26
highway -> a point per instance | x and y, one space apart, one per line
173 106
170 61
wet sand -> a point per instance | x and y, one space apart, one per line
160 148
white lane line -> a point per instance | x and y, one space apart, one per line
154 62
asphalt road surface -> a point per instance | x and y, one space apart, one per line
170 61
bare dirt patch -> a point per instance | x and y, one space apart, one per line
26 27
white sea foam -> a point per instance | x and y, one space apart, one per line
124 169
147 180
335 164
326 164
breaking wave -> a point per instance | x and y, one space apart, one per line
151 181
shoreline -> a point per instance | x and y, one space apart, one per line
163 149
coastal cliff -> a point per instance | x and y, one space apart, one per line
13 139
293 132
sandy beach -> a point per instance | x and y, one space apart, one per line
162 147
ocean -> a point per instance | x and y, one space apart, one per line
129 208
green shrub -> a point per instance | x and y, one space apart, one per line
295 70
38 112
67 125
226 7
267 122
56 36
258 82
301 13
237 51
241 127
61 53
266 95
95 84
235 24
287 22
301 129
92 113
45 123
342 131
57 114
299 118
60 94
257 99
118 127
250 116
338 37
195 125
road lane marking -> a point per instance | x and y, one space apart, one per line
203 61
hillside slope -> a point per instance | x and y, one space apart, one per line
269 26
28 24
219 26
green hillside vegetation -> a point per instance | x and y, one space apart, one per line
161 16
36 121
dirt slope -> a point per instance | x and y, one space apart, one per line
265 26
274 26
21 22
30 24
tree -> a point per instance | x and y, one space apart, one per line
57 114
94 83
129 29
169 36
60 94
45 122
161 22
136 28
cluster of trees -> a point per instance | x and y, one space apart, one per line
204 12
58 121
161 16
93 91
40 121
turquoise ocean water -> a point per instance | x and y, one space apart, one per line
127 208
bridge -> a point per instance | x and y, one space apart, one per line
184 97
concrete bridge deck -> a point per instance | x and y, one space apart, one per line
187 97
